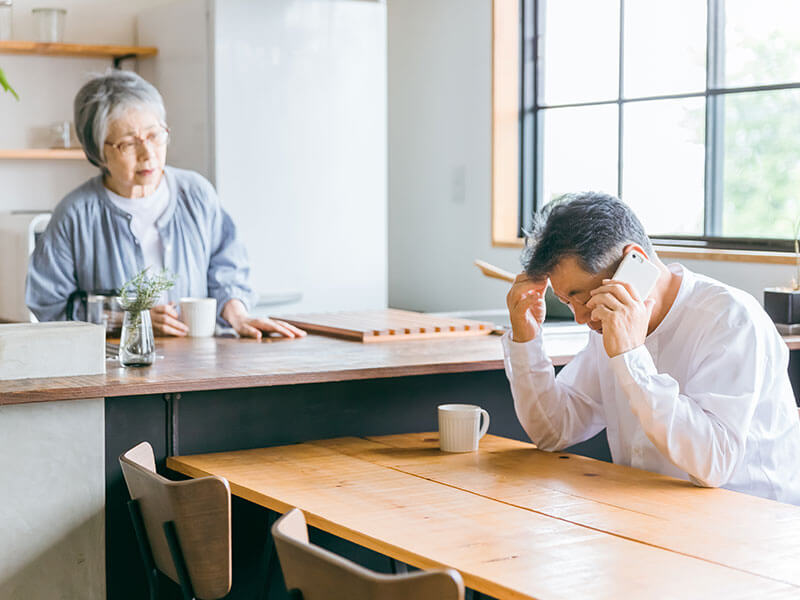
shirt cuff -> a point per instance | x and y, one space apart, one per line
633 367
524 355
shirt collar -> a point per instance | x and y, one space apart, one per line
687 282
165 217
169 176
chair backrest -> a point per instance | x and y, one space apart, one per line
322 575
201 511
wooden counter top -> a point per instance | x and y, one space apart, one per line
792 341
188 364
185 365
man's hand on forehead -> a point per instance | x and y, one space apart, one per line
526 307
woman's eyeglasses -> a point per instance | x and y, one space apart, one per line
127 146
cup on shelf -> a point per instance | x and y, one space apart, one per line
6 13
49 24
63 135
459 427
200 315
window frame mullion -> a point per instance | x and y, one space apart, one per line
715 120
528 115
532 129
620 96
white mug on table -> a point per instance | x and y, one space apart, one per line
459 427
200 315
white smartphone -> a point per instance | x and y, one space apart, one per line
636 270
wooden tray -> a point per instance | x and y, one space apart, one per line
387 325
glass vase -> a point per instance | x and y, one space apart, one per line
136 346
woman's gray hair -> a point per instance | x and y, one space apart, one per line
102 99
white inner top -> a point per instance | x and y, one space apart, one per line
144 213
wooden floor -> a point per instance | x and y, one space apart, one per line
520 523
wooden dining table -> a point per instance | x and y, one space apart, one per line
521 523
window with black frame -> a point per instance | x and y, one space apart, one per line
689 110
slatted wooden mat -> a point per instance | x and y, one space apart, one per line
387 325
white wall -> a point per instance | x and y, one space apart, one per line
439 69
751 277
183 74
440 156
300 112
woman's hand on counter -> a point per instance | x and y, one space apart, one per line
165 321
235 313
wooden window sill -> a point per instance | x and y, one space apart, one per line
748 256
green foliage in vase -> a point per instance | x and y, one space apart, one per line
7 86
143 290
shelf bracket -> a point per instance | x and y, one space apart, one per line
120 58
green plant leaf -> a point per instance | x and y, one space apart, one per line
143 290
7 86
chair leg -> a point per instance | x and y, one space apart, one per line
269 561
397 567
178 560
144 549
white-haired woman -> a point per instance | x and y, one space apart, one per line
140 213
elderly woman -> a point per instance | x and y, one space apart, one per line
140 213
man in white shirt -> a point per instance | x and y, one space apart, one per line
691 381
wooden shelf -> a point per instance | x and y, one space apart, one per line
80 50
44 154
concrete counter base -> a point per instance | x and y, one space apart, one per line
52 477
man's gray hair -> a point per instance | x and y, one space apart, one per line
102 99
592 227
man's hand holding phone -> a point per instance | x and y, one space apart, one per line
622 304
624 315
526 307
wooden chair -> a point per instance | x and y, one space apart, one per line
313 573
183 527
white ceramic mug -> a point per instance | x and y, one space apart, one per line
459 429
200 315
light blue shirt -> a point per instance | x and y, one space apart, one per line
88 245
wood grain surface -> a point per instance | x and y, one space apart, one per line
190 364
503 548
78 50
706 523
194 364
43 154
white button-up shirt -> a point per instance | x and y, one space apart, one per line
706 398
